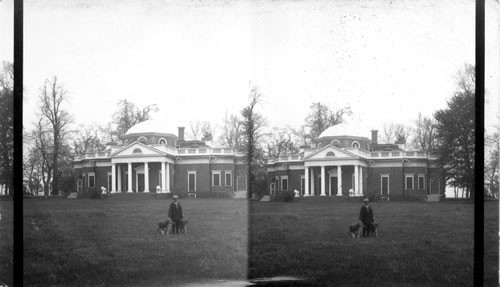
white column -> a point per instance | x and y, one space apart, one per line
323 181
167 187
146 177
119 187
306 184
313 182
113 177
339 180
163 189
360 180
356 179
129 177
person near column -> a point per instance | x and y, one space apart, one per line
366 217
175 213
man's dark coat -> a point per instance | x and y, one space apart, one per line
366 214
175 211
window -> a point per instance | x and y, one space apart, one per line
137 150
335 143
384 184
215 178
277 180
228 176
330 153
91 177
355 144
409 181
421 181
162 141
284 183
142 139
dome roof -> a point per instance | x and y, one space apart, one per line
148 127
341 129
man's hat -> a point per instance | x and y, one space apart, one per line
175 196
366 200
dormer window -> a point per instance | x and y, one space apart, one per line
142 139
162 141
330 153
355 144
137 150
335 143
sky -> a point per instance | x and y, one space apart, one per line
196 60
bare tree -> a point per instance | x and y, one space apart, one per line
322 117
128 114
388 134
200 129
425 133
252 124
491 164
88 139
232 132
281 141
43 151
392 133
52 98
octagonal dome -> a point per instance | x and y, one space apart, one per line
149 127
342 129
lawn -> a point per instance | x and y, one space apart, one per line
6 242
423 244
114 242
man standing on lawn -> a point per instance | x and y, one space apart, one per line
175 213
366 217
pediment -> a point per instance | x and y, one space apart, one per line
331 152
137 149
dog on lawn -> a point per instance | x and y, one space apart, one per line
354 230
166 227
372 229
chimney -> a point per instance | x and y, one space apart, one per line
181 133
374 136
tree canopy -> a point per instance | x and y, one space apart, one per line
455 138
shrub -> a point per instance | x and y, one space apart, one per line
284 195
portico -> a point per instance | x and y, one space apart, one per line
143 168
333 172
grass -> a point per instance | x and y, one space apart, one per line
6 242
114 242
419 244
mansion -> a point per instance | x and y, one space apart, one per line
342 164
150 159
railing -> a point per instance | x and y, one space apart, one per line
285 158
181 151
399 154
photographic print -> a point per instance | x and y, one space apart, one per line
250 143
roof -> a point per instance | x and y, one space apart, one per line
149 127
342 129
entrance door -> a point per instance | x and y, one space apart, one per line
434 185
125 182
140 182
191 182
333 186
385 185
